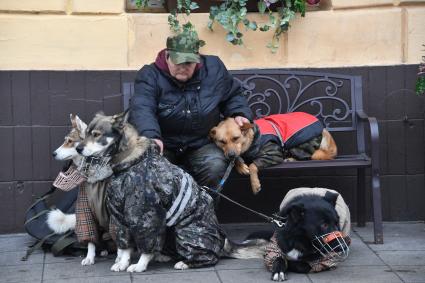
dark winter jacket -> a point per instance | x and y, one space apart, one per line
181 114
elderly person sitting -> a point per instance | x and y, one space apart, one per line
179 98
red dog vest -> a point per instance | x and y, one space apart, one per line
293 128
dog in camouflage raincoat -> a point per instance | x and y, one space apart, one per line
147 194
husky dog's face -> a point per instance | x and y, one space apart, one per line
68 150
102 132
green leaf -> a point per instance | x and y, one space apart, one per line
420 86
265 28
230 37
193 6
261 6
210 24
253 25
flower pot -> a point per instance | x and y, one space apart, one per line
154 6
204 5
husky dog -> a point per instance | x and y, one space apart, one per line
57 220
147 194
67 150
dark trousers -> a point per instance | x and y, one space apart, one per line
207 164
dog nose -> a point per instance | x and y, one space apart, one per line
79 148
231 154
54 154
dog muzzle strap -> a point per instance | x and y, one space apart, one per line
69 179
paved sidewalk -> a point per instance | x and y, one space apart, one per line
400 259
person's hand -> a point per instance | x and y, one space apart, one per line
241 120
160 144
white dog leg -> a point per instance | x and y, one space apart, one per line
123 261
181 265
91 253
118 258
142 264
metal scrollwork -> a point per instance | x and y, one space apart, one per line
277 99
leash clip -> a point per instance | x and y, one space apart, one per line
278 223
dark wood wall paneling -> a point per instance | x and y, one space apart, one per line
34 117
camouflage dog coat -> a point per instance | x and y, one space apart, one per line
149 194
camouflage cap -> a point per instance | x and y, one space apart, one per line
184 47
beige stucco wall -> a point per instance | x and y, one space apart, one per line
100 35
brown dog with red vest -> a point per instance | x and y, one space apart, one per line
272 140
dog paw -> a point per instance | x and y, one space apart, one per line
243 169
119 266
278 276
256 190
181 265
87 261
162 258
136 268
290 159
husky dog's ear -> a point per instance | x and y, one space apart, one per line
294 211
78 124
119 120
331 197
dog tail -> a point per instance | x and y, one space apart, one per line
60 222
253 248
327 149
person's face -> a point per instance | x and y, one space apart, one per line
182 72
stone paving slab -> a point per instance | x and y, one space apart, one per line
353 274
116 279
76 270
14 258
361 255
17 242
400 259
413 274
253 276
234 264
21 273
180 277
394 229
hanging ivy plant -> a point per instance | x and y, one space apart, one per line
420 83
232 16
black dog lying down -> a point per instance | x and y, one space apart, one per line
315 237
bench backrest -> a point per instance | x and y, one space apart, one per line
332 98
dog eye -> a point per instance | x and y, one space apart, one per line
235 139
95 134
222 141
68 140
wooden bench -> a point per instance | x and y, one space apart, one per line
337 101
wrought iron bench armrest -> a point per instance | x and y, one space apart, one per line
374 136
